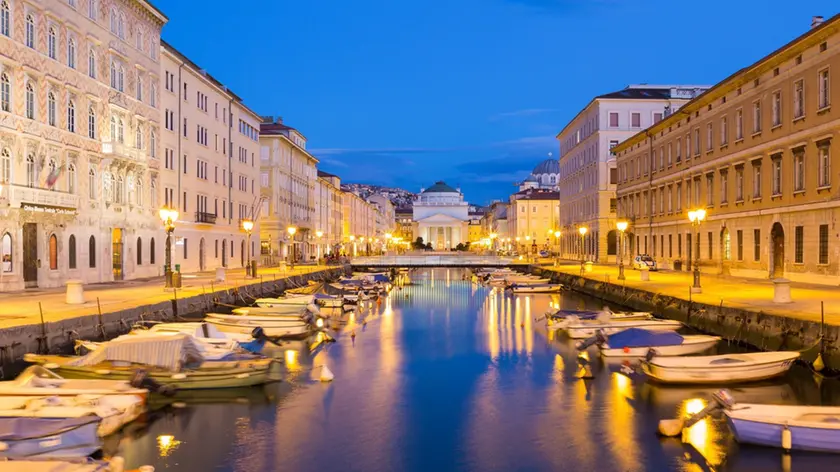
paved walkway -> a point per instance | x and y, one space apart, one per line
22 308
749 294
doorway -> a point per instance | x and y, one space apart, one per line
30 255
689 251
224 253
201 265
117 254
777 265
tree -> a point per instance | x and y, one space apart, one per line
418 243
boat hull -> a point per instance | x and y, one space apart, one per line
79 440
244 325
690 345
718 375
552 288
769 434
589 330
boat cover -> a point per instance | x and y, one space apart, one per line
20 429
169 352
324 296
380 278
637 337
581 314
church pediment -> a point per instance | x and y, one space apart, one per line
440 218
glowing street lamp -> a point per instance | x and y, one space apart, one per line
622 227
168 216
582 230
696 217
248 226
292 230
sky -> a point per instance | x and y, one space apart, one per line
473 92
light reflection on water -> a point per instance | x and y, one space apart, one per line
453 376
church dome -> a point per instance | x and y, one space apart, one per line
531 178
548 166
440 187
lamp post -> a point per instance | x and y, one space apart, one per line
622 227
696 217
292 230
493 237
168 216
248 226
319 234
557 235
582 230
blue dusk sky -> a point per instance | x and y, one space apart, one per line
404 92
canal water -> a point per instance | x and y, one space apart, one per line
448 376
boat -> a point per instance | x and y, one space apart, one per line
50 437
535 288
174 362
311 288
115 410
34 464
37 381
637 342
584 329
331 301
272 325
720 369
293 299
277 310
560 319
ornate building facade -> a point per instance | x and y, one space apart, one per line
441 216
79 141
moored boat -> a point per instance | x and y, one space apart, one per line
50 437
114 410
535 288
560 319
34 464
37 381
637 342
720 369
585 329
283 326
294 300
790 427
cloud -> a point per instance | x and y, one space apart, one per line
521 113
334 162
376 151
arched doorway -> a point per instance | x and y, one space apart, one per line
725 245
117 253
224 253
612 243
777 260
242 254
201 254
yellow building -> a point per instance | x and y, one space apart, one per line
532 218
755 153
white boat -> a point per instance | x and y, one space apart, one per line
290 311
361 296
536 288
291 299
38 381
273 326
115 410
720 369
329 301
794 427
585 329
115 464
636 342
561 319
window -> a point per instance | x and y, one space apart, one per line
724 186
51 42
697 141
92 9
71 53
613 119
71 116
71 178
152 252
724 131
825 101
756 179
139 87
6 252
153 95
657 117
777 108
5 93
5 166
30 101
710 190
121 26
756 117
153 144
72 3
825 164
635 120
798 169
92 64
709 137
92 184
51 109
31 172
823 244
798 99
739 236
756 245
92 252
688 147
670 147
71 252
679 197
53 246
5 18
739 184
798 244
139 251
30 31
739 124
709 238
91 123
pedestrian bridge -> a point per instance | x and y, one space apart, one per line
438 261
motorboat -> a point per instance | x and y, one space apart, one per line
115 410
719 369
291 299
174 362
637 342
272 325
34 464
330 301
38 381
561 319
309 289
50 437
267 309
535 288
583 329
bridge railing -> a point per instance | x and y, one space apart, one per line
436 260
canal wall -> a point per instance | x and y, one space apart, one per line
60 336
764 331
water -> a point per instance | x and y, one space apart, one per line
447 376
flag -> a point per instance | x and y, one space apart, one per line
54 175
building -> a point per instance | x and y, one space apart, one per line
495 222
404 223
79 142
386 215
545 175
441 216
287 181
587 167
532 216
754 151
205 125
328 214
359 224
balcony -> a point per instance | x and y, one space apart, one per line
40 199
121 151
208 218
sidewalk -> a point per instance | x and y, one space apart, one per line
21 308
748 294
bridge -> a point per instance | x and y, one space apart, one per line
460 260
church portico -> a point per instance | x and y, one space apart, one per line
442 231
441 217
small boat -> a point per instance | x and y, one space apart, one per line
171 361
586 329
293 299
115 410
50 437
637 342
277 310
311 288
560 319
720 369
332 301
37 381
34 464
535 288
282 326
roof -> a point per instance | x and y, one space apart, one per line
814 35
440 187
274 128
326 174
548 166
640 93
537 194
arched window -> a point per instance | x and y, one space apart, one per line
113 128
30 101
553 179
120 131
153 143
92 63
139 39
113 74
153 96
121 79
6 252
114 20
30 31
51 109
92 9
5 166
138 191
138 137
5 18
91 123
72 3
92 252
51 42
53 252
5 93
121 26
71 53
92 184
139 87
31 172
139 251
152 252
71 251
108 187
120 192
71 116
71 178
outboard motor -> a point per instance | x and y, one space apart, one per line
313 308
599 339
141 379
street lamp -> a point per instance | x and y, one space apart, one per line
168 216
557 235
582 230
319 234
248 226
622 227
696 217
292 230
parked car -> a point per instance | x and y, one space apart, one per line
644 260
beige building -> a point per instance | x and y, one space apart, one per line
755 152
532 217
79 142
210 141
288 180
328 210
495 222
359 224
385 216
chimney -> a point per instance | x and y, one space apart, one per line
267 119
816 21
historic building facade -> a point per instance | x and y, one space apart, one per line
587 167
358 224
757 152
532 217
210 141
327 214
79 141
441 216
545 175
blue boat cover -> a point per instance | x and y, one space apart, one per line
637 337
380 278
351 282
254 347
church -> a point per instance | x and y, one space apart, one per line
441 216
545 176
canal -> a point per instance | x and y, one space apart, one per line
444 375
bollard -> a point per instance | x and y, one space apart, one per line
644 274
220 274
587 266
75 292
781 291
